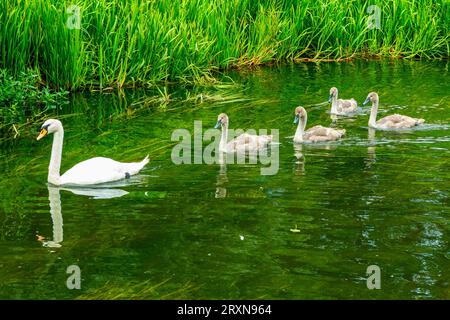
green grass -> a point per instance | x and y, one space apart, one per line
141 43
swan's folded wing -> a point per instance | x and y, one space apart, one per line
249 142
315 131
244 138
94 171
399 121
319 133
321 138
347 106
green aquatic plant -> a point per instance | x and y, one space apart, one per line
111 43
23 98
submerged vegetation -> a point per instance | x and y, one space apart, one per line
84 44
139 291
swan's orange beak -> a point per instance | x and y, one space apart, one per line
42 134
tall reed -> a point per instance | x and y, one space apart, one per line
137 42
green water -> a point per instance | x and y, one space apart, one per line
219 232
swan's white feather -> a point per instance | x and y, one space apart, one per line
345 107
100 170
247 143
398 121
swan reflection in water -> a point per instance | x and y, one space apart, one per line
371 155
299 153
248 157
300 162
54 199
221 190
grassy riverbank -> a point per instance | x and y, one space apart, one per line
141 43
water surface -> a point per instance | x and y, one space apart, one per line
224 232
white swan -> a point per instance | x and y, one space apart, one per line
314 134
243 143
92 171
341 106
395 121
57 219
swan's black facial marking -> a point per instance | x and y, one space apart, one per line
127 175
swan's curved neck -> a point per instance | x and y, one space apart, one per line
300 129
334 103
223 137
55 160
373 114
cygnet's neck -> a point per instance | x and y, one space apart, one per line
373 114
334 99
300 129
223 137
